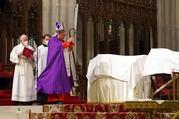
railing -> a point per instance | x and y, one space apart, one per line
170 88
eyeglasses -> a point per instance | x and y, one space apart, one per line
61 31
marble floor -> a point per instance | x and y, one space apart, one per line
18 112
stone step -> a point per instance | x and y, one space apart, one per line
5 92
5 96
18 112
6 102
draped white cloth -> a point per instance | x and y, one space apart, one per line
23 81
106 89
123 73
161 60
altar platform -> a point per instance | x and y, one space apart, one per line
152 109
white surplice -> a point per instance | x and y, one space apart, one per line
23 82
161 60
40 56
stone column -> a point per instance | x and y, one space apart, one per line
117 35
166 23
70 13
46 16
55 12
90 40
96 39
106 35
136 39
151 38
101 35
62 15
126 26
177 25
131 40
84 44
173 24
58 10
70 19
122 39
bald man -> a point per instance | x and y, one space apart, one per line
23 82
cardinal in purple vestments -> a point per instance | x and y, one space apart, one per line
54 79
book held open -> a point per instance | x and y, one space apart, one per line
27 52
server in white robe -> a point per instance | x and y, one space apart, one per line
23 89
40 55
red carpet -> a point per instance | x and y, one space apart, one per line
89 115
88 111
6 78
66 99
100 115
104 115
89 107
5 97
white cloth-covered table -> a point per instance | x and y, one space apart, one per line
112 78
161 60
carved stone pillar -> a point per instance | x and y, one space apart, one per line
154 35
151 38
84 44
122 39
26 7
136 39
147 39
0 35
4 32
177 25
9 37
131 40
26 22
96 37
106 35
166 22
57 10
117 35
46 14
90 39
126 26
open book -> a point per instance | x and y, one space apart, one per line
27 52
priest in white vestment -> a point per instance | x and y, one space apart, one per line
40 55
23 89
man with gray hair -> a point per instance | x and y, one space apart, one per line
54 79
23 82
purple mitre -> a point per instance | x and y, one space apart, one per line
59 26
